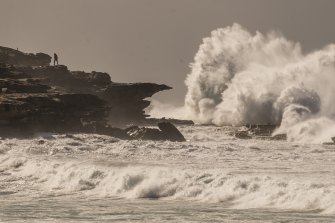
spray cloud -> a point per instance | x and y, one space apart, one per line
239 78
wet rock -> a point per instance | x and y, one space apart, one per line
111 131
171 132
326 144
243 135
155 121
261 130
22 86
143 133
49 111
40 142
166 131
258 132
279 137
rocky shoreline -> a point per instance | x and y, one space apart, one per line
37 97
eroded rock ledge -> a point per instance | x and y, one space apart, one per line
38 97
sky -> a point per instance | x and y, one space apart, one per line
152 40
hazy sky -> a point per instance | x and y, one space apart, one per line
152 40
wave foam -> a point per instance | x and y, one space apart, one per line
153 182
240 78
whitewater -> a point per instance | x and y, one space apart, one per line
212 177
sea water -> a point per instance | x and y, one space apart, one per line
212 177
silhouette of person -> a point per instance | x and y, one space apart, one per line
55 59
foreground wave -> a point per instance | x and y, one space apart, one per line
133 182
211 167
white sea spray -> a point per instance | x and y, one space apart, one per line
240 78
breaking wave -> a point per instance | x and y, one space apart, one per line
240 78
153 182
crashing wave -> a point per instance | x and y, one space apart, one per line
240 78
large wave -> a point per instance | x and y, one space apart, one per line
240 78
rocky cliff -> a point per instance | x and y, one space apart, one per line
18 58
127 100
37 95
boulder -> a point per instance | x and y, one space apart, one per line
105 129
166 131
261 130
171 132
143 133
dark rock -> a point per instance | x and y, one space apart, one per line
142 133
279 137
171 132
166 131
18 58
126 100
137 91
7 71
328 143
242 135
40 142
17 131
111 131
94 78
22 86
261 130
155 121
58 75
50 111
38 97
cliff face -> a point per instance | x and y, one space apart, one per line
28 106
127 100
33 93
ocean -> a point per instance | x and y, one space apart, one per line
212 177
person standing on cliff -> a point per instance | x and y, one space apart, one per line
55 59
